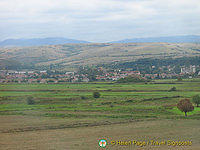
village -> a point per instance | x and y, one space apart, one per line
46 76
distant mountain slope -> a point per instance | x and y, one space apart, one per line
38 42
74 55
170 39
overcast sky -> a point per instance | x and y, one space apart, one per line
98 20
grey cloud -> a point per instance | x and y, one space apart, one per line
98 20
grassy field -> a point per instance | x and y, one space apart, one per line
71 107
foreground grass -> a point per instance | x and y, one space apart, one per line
86 138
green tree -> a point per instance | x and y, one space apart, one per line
196 100
130 79
185 106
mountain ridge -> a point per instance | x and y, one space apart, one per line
166 39
38 41
60 40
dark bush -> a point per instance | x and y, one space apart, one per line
30 100
96 94
173 89
83 97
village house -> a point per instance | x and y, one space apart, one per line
188 70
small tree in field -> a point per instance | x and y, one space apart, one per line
96 94
185 106
196 100
173 89
30 100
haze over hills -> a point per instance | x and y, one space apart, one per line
38 41
60 40
74 55
168 39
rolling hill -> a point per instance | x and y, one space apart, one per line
74 55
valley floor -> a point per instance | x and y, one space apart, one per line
68 117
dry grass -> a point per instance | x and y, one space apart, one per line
79 54
86 138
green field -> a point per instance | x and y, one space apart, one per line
118 102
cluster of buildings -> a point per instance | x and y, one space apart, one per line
8 76
188 70
115 75
161 76
45 76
